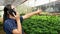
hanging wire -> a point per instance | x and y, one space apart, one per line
49 4
35 8
28 5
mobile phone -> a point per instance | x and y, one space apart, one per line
12 12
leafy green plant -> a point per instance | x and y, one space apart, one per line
42 25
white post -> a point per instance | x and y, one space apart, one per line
1 11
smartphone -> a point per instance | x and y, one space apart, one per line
12 12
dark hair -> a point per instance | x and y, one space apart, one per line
7 10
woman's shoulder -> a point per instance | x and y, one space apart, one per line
9 20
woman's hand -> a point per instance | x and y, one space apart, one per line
39 11
17 16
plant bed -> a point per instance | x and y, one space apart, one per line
42 25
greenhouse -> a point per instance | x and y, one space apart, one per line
46 22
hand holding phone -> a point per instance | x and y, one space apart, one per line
14 14
17 16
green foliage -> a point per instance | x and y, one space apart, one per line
22 9
42 25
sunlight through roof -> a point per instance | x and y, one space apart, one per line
33 3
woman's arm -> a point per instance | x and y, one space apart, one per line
30 14
19 28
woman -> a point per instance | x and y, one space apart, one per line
12 22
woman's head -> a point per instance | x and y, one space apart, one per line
8 9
